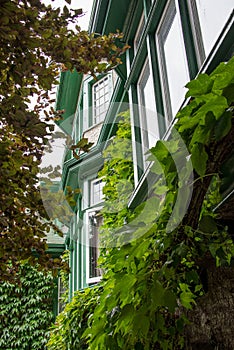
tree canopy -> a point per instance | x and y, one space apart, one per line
35 44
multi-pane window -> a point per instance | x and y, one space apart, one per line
95 220
96 194
147 107
173 60
101 96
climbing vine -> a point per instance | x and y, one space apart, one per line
26 310
153 277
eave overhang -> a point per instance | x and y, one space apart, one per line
67 97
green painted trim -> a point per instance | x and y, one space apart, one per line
137 132
75 270
107 14
147 7
157 85
137 63
188 39
56 250
73 165
97 17
90 98
71 269
132 19
121 69
155 15
112 21
67 98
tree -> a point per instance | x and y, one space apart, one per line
35 45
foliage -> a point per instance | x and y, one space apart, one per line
117 174
64 275
72 322
26 310
152 273
35 45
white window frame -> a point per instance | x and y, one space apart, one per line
92 183
90 280
96 117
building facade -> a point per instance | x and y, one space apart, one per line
171 41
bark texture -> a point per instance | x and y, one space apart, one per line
212 320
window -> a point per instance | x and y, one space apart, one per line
101 96
213 14
173 60
95 220
61 292
96 194
147 107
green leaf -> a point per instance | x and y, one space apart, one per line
207 224
203 130
47 33
160 151
199 158
170 300
223 126
157 293
186 297
213 103
199 86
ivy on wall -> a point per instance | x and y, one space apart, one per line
26 310
152 279
72 322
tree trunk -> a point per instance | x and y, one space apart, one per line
212 320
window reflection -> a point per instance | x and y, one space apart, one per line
174 69
95 222
101 95
96 191
149 124
213 14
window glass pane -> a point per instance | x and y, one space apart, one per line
148 115
173 61
213 14
95 222
96 193
176 64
